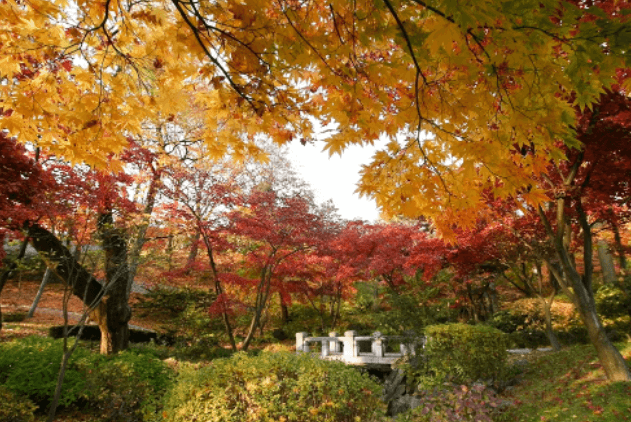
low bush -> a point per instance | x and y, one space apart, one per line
462 354
457 403
30 366
525 322
122 387
612 302
172 302
273 387
128 386
192 330
15 408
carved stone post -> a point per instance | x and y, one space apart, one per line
377 344
325 348
334 344
300 342
403 349
349 345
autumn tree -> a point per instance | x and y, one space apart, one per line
580 186
269 231
471 79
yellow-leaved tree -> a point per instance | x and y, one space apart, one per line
454 85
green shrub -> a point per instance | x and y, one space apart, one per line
30 367
611 302
121 387
531 339
15 408
273 387
509 321
185 311
463 353
125 387
457 403
172 302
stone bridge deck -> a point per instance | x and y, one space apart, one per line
383 350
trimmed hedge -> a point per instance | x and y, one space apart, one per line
462 353
273 387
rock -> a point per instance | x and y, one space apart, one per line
394 386
520 351
403 404
279 334
92 332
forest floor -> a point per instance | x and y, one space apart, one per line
17 298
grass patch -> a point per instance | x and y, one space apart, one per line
570 385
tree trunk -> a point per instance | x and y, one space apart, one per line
218 288
118 276
284 311
192 255
579 289
606 262
7 273
39 294
134 255
547 309
259 306
612 361
65 266
619 248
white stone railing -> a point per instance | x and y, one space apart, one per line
347 348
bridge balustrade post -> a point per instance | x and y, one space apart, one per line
334 345
377 344
403 349
301 345
349 345
325 348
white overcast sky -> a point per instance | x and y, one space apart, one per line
335 177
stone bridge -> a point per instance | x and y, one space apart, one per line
376 350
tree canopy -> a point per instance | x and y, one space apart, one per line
456 86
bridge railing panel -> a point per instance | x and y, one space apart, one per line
348 348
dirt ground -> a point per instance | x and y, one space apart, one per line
17 298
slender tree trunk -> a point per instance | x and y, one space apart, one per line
606 263
547 309
619 248
284 310
579 289
133 257
612 361
192 255
7 272
218 289
39 294
263 290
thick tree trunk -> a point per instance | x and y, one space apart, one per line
119 280
65 266
111 318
